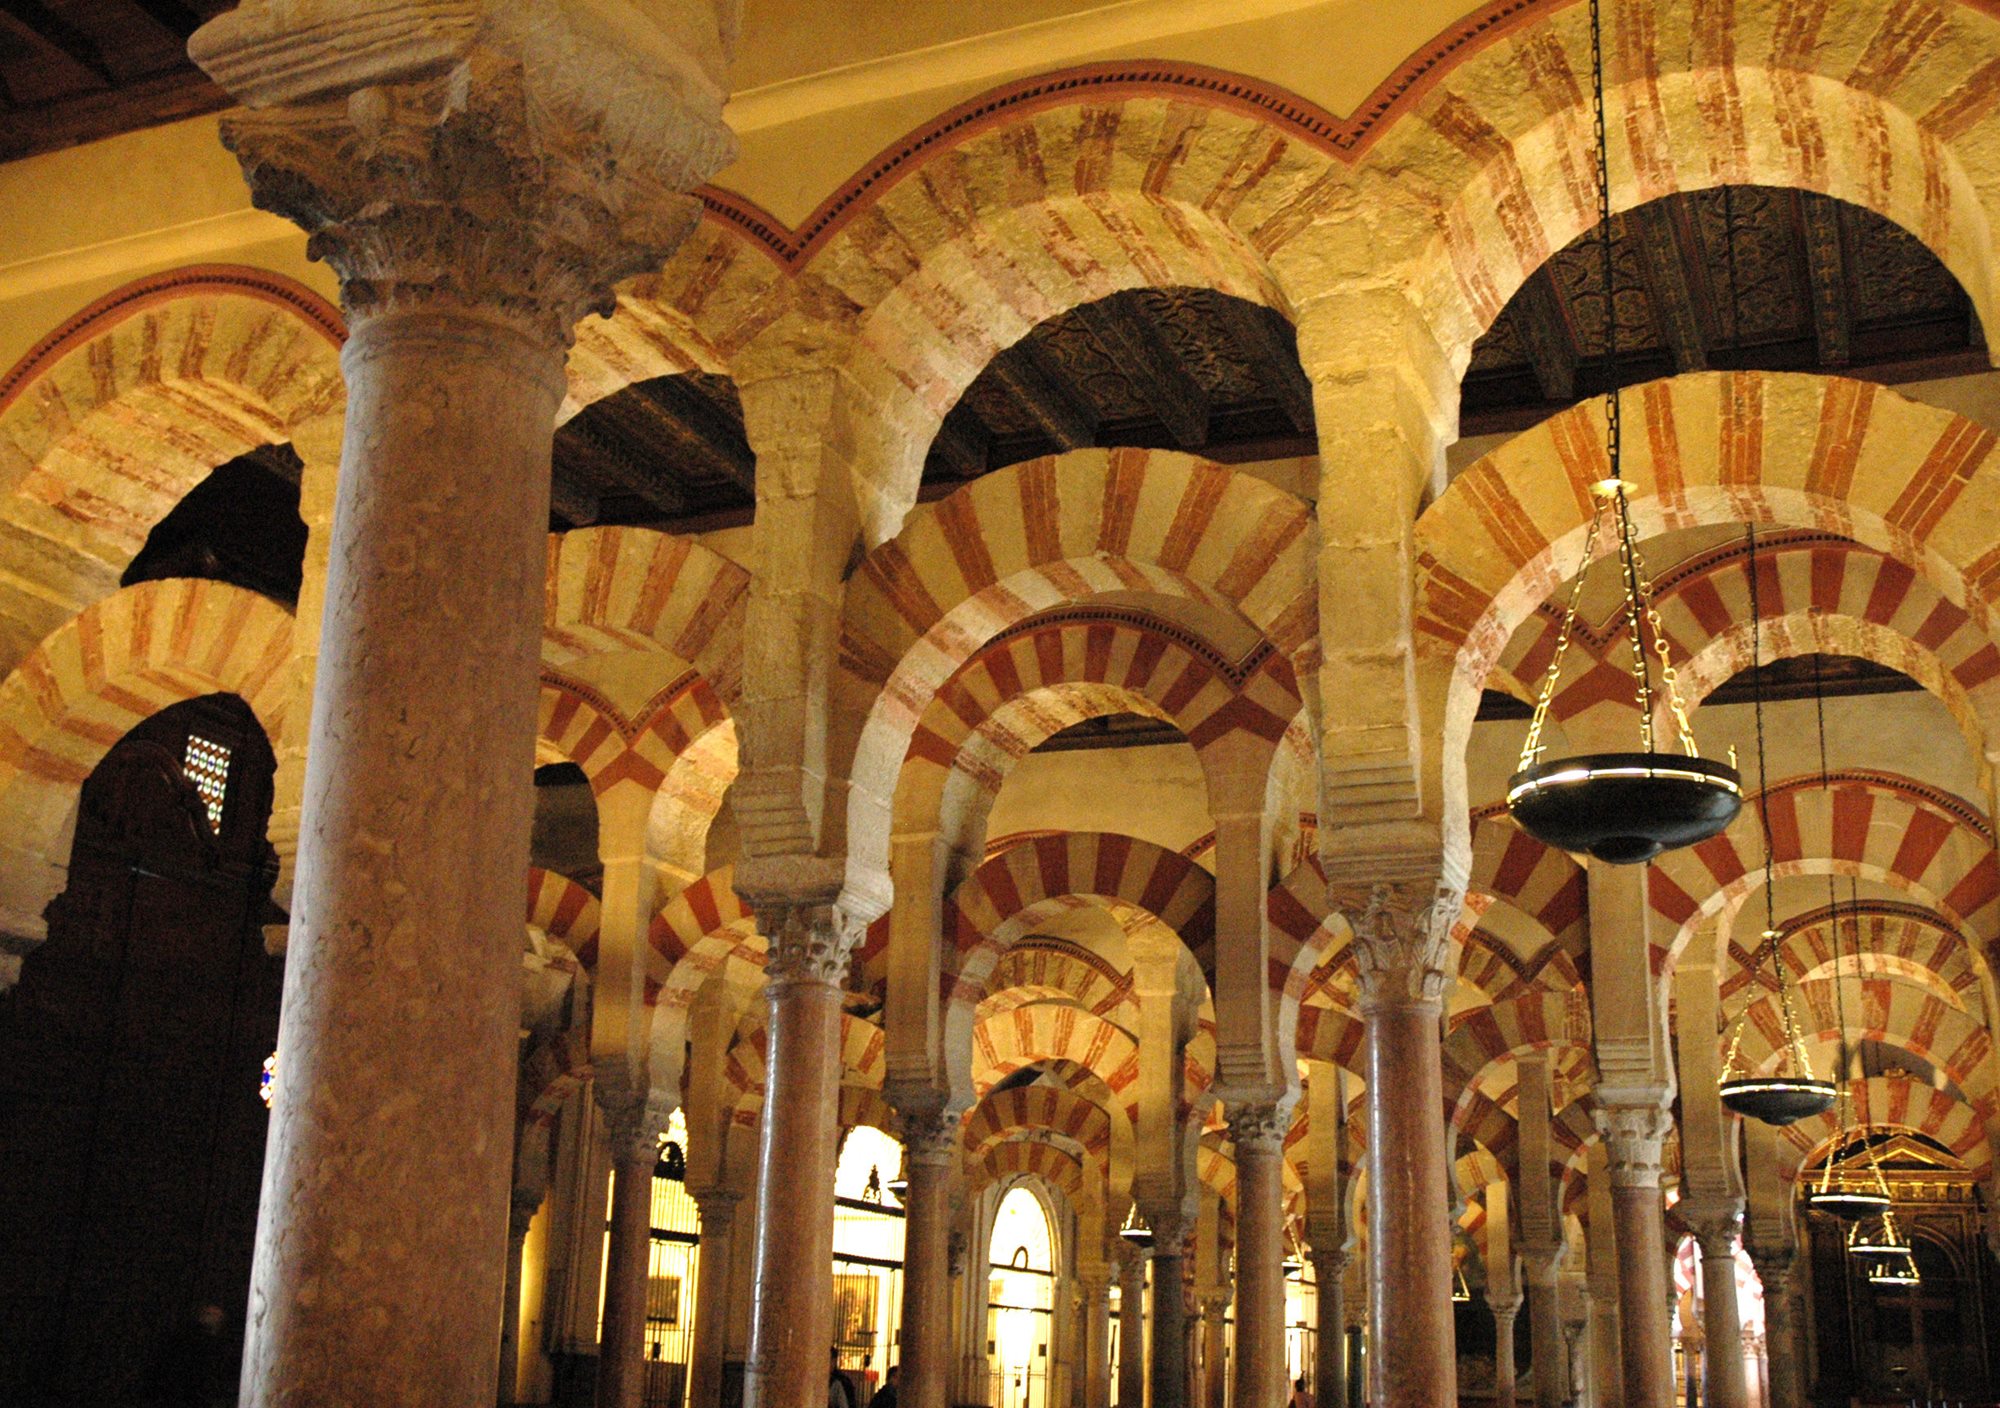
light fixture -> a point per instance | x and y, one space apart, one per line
1461 1293
898 1185
673 1161
1782 1097
1883 1241
1622 808
1136 1231
1899 1272
267 1082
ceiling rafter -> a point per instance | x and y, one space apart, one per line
1663 265
1819 225
1154 371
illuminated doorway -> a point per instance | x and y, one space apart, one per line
1020 1302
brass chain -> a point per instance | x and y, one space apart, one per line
1532 748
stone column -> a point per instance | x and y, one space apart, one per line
1330 1338
1093 1282
716 1208
1398 943
1723 1382
1541 1268
1167 1373
521 1212
791 1317
1781 1331
1131 1330
628 1256
1504 1308
479 179
930 1150
1258 1369
1633 1135
1215 1351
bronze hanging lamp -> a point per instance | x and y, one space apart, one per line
1784 1096
1135 1230
1901 1271
1622 808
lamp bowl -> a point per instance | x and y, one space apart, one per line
1778 1100
1881 1251
1848 1204
1141 1237
1625 808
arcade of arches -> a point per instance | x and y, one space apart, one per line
974 574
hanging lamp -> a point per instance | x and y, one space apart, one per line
1461 1293
1782 1097
1622 808
1135 1231
1899 1272
1840 1198
1882 1240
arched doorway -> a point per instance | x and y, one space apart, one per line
131 1128
1021 1301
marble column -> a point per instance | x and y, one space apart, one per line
463 182
1215 1351
628 1255
1723 1380
798 1143
521 1212
1504 1308
1094 1284
1399 930
1633 1136
1258 1367
1132 1329
716 1208
1785 1374
1330 1337
1541 1268
930 1150
1167 1373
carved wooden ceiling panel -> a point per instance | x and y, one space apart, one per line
665 452
76 70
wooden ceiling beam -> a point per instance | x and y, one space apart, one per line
1663 267
1819 221
1259 334
591 454
963 445
1026 373
175 18
59 34
703 428
1152 369
1542 318
570 501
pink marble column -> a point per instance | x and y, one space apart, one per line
1633 1136
1132 1330
1399 944
717 1210
1504 1308
628 1255
1258 1131
930 1153
791 1318
412 155
1330 1337
1723 1381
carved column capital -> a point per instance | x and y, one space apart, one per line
1260 1126
446 154
716 1205
808 942
956 1246
1542 1265
1402 937
1714 1224
1774 1269
1504 1307
929 1136
1635 1138
1329 1266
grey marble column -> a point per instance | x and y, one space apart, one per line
1541 1268
621 1346
716 1208
1330 1339
1723 1381
930 1147
1132 1330
1633 1136
1504 1309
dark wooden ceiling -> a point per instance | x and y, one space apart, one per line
76 70
1743 277
665 452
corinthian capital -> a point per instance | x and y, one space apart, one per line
518 159
1260 1126
1635 1138
1402 936
809 942
929 1136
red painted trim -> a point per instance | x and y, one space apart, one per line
194 280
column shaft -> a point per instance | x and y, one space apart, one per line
791 1318
1413 1354
621 1347
711 1298
1215 1352
1781 1334
926 1355
1095 1381
391 1142
1644 1317
1132 1332
1504 1312
1330 1338
1259 1365
1723 1384
1547 1355
510 1304
1169 1369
